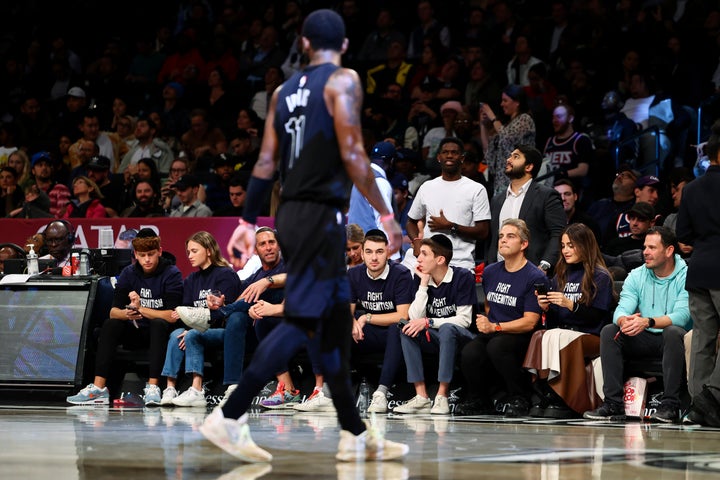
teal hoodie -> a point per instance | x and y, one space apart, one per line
655 297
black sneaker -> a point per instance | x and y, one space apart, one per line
560 412
666 414
517 407
708 407
537 410
607 411
693 417
474 407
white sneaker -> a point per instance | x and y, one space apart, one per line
369 445
228 392
233 436
440 406
417 404
195 317
167 397
190 398
317 402
151 395
379 403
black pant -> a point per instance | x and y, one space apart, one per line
489 356
667 345
115 332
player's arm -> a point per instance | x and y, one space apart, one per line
343 98
263 172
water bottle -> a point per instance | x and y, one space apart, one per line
84 268
364 396
32 261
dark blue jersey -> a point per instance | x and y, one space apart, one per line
381 295
311 168
511 294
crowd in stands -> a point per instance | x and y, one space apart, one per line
494 127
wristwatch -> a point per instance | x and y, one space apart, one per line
368 317
454 229
270 279
498 327
651 322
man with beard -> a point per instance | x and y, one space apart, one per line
452 205
538 205
148 146
570 152
146 202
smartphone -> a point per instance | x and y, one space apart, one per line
131 307
541 288
403 322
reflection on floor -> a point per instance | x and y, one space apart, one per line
140 443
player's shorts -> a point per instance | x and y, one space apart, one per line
312 240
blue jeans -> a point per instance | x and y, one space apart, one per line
444 340
231 338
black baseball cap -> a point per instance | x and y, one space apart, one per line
187 181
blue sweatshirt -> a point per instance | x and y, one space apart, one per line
160 290
198 284
654 297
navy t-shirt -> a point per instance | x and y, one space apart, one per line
511 294
444 299
381 295
603 301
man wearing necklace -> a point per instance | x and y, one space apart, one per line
492 361
651 319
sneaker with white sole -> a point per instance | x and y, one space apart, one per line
228 392
378 403
190 398
195 317
168 395
233 436
369 445
440 406
90 395
281 398
317 402
152 395
417 404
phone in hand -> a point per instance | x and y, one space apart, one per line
403 322
541 288
131 307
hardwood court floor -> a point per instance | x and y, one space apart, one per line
89 443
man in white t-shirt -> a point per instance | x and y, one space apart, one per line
452 205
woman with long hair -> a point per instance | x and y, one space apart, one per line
579 303
500 139
213 276
21 163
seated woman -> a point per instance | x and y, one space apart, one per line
86 203
214 274
579 303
